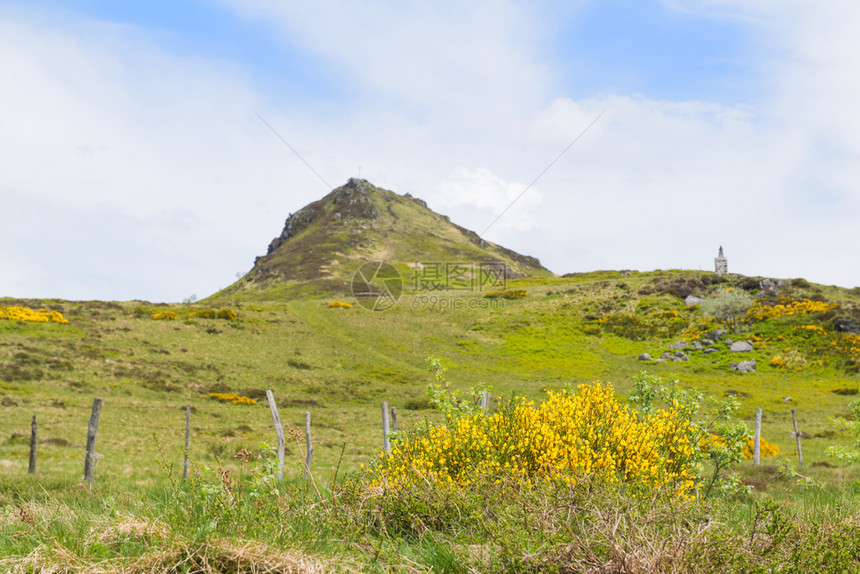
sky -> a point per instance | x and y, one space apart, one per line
134 163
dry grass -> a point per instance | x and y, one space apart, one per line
214 557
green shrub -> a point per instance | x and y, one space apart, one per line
727 305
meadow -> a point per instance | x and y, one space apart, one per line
149 361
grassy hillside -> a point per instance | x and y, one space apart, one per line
340 363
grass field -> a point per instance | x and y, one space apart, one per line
341 363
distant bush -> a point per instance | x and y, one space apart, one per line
681 287
31 316
766 449
418 404
339 305
786 307
791 360
228 314
232 398
638 327
728 306
164 316
626 325
506 294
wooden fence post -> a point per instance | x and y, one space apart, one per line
797 437
485 400
279 429
393 419
757 446
309 447
385 441
187 442
92 428
32 467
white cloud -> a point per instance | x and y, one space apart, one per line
109 143
132 172
506 205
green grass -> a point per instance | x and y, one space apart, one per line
339 364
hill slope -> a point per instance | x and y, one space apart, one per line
148 361
324 243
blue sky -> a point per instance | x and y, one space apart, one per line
135 166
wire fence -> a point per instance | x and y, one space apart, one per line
46 416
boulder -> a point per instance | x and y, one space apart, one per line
729 342
679 345
846 325
741 347
717 334
710 350
697 346
692 300
667 355
681 356
645 357
707 342
744 366
767 286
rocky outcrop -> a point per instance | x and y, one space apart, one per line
741 347
846 325
743 366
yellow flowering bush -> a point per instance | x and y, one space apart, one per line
339 305
29 315
787 307
232 398
766 449
791 360
670 314
574 433
849 344
228 314
711 443
164 316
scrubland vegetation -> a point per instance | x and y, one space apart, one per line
583 463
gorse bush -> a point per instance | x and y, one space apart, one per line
232 398
574 433
164 315
339 305
26 314
785 307
766 449
791 360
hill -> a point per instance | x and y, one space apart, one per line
148 360
339 362
323 244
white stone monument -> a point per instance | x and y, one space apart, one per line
721 264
